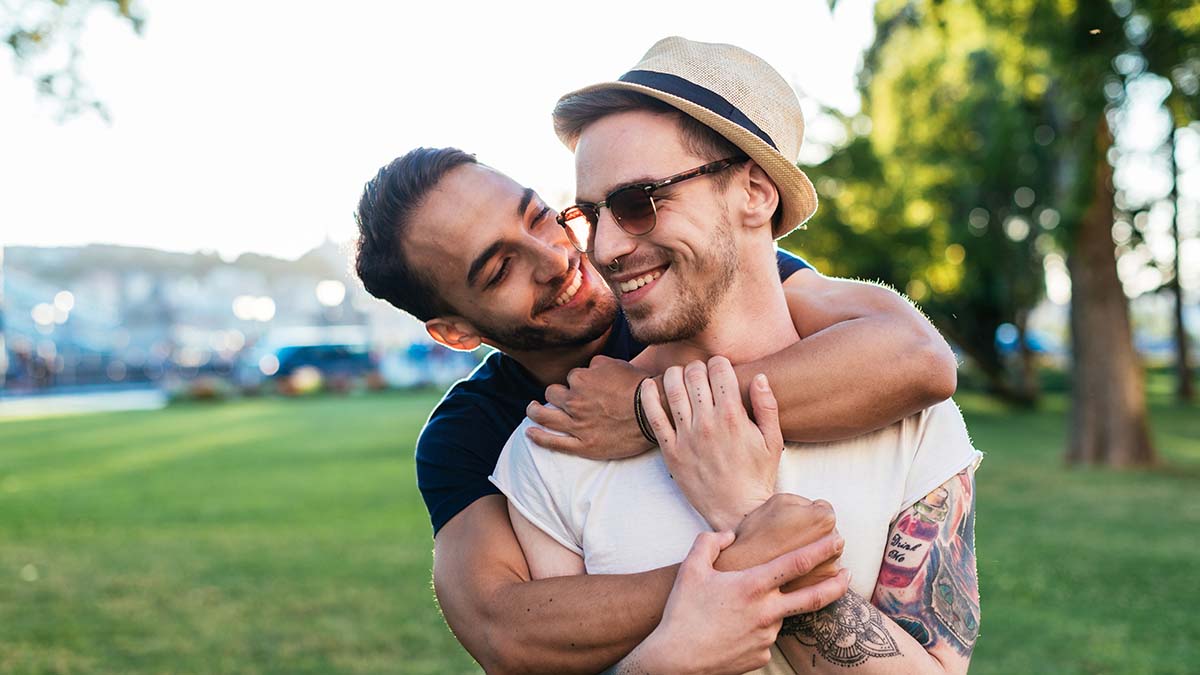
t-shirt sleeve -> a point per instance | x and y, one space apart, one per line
943 448
527 475
453 462
789 263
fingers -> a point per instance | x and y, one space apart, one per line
657 416
557 395
726 394
706 548
677 397
812 598
555 441
551 418
796 563
695 376
766 411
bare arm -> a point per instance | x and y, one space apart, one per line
557 625
925 612
867 359
714 621
579 624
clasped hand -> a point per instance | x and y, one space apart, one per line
592 415
725 463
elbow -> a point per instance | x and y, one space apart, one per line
938 369
500 651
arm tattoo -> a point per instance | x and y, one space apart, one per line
847 632
935 598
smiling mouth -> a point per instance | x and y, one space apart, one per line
571 289
632 285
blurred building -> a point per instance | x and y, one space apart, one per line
117 314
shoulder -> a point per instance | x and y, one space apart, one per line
519 450
938 446
479 412
789 263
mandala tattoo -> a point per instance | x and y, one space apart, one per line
847 632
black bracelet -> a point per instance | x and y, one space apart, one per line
640 413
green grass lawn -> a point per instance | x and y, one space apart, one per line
287 536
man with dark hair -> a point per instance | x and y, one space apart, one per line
490 254
694 270
384 210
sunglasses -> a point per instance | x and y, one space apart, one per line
632 206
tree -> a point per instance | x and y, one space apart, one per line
44 38
938 196
1171 48
980 110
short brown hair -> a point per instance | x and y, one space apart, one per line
577 112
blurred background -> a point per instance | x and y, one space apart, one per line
207 426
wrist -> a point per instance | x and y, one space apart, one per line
730 518
653 655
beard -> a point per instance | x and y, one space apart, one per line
714 272
601 312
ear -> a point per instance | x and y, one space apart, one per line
454 332
762 198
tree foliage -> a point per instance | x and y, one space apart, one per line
989 147
44 37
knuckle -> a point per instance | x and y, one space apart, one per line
811 603
825 516
802 563
786 499
764 620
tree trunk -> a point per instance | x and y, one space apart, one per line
1108 411
1184 389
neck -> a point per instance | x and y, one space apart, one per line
751 322
551 365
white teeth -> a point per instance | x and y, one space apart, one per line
571 290
634 284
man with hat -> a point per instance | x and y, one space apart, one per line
684 233
481 260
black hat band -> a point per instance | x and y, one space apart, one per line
705 98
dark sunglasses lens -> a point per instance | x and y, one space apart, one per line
578 221
634 210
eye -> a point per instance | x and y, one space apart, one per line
541 215
499 275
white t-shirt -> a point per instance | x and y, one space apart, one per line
629 515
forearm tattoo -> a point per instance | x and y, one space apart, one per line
847 632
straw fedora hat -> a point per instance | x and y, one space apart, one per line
739 96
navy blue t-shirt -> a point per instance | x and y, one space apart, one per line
458 448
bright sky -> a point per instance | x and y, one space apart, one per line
253 126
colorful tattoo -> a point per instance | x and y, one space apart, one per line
846 633
927 582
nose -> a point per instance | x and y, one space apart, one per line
553 255
610 241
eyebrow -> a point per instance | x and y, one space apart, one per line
526 197
477 265
481 260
